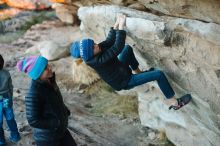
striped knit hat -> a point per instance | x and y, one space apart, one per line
33 66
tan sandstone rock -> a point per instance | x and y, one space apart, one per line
188 52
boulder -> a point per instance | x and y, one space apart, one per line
198 9
203 10
188 52
52 50
188 126
66 13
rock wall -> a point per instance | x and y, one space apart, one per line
204 10
188 51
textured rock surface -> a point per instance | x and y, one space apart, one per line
83 74
206 10
188 51
190 126
53 50
24 20
66 13
8 13
28 4
10 8
193 9
69 72
41 39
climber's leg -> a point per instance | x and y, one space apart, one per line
128 58
155 75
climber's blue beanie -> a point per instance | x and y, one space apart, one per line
74 49
86 49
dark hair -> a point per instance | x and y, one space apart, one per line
1 62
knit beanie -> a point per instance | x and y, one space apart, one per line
74 49
33 66
86 49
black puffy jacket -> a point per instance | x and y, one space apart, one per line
46 111
106 63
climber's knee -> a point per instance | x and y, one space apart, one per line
159 74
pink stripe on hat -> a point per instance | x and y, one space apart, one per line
26 64
33 66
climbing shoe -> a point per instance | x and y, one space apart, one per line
184 100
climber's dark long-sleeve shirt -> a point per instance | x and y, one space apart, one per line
106 63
